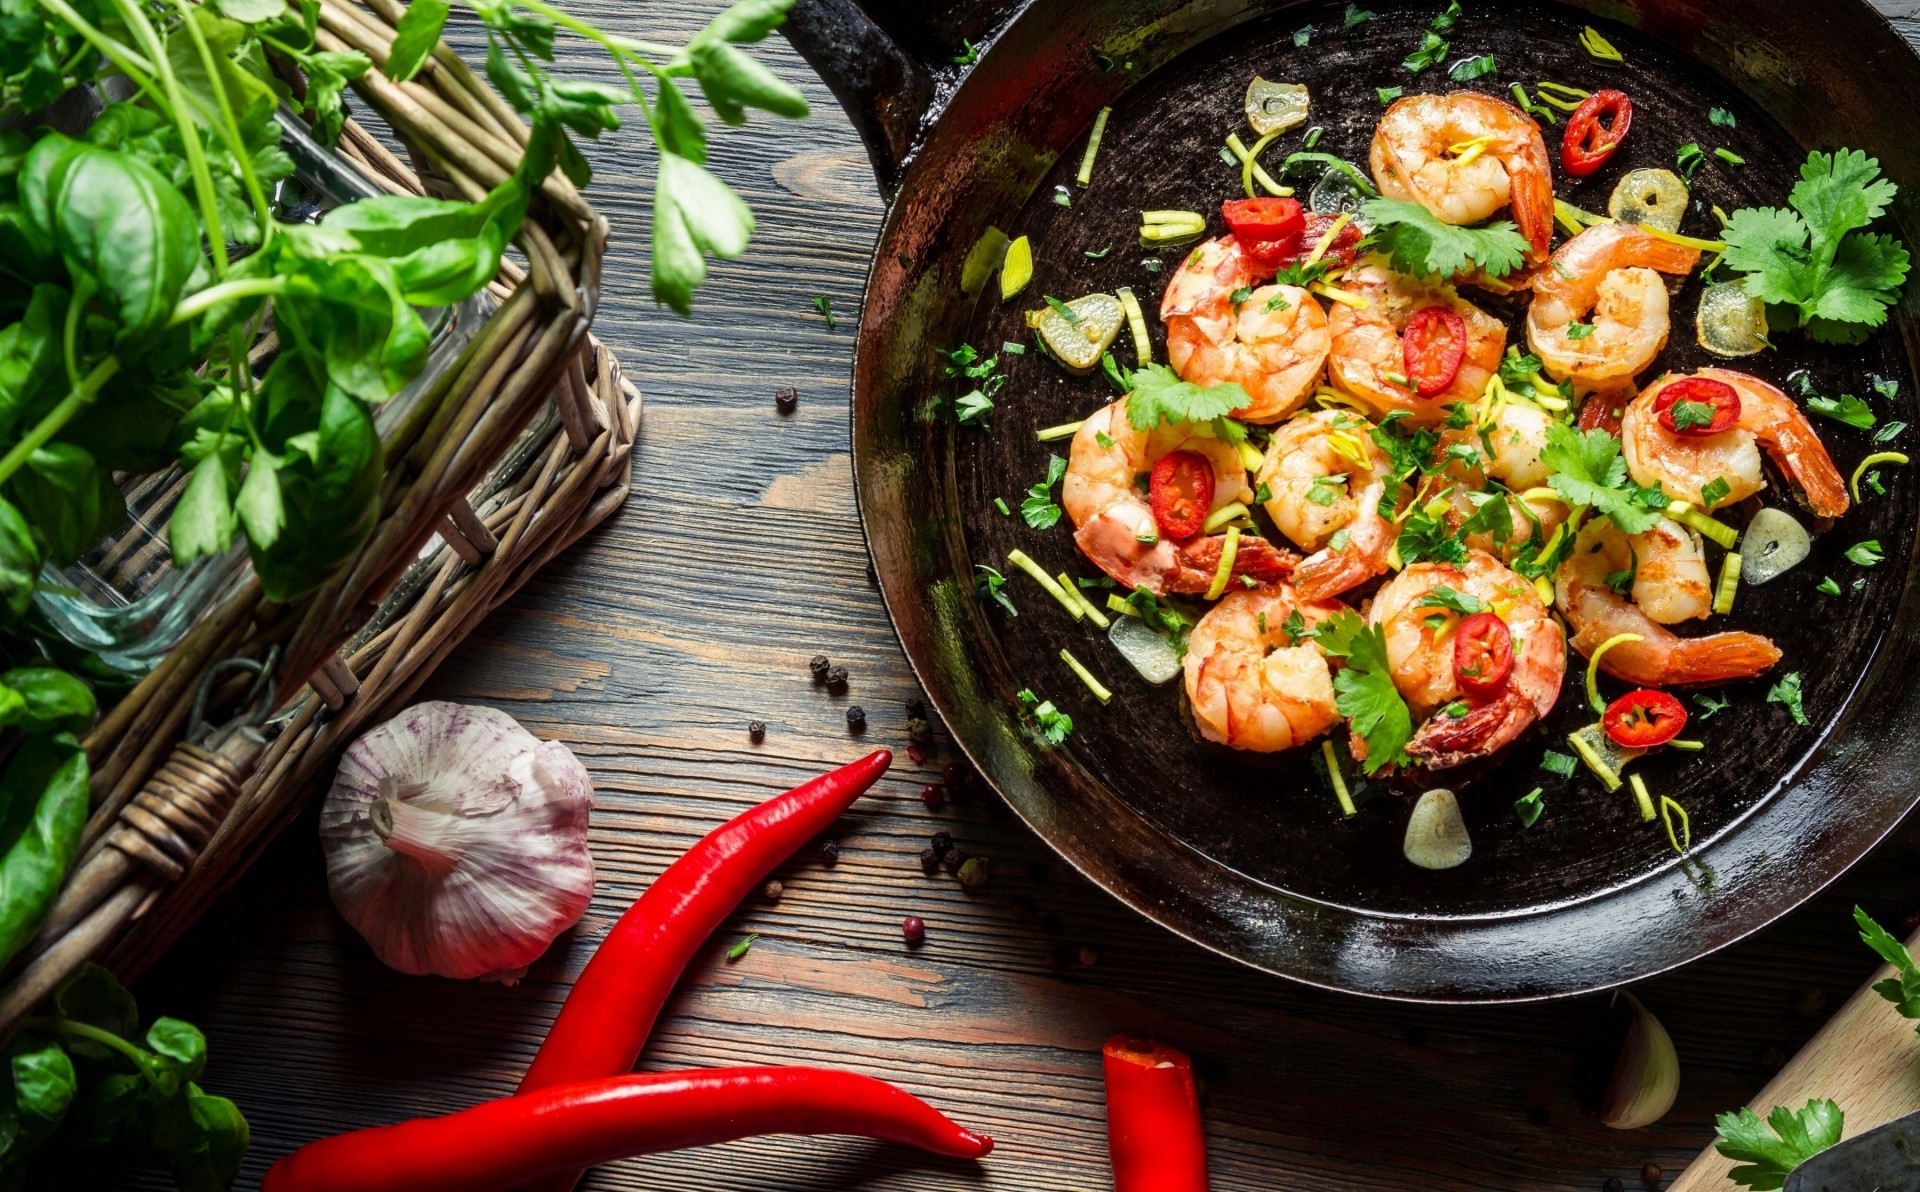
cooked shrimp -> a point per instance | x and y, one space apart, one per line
1670 585
1420 640
1273 343
1684 464
1327 478
1464 156
1252 683
1506 448
1100 494
1608 272
1369 361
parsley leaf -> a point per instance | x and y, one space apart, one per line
1422 245
1529 807
1303 35
1776 1146
1444 22
1468 69
989 583
1826 586
1689 158
1787 693
1709 704
1865 553
1387 95
1356 15
1432 52
1424 537
1846 408
1721 117
1445 597
1039 510
1159 396
1814 258
1581 331
1588 470
1054 724
1563 764
1691 413
1903 988
1295 627
971 409
1364 691
824 305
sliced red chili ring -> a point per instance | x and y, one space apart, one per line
1482 654
1643 719
1697 406
1263 218
1433 345
1180 490
1588 142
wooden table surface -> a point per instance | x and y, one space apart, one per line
649 648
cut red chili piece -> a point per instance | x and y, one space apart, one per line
1643 719
1268 257
1340 252
1589 142
1434 344
1181 493
1697 406
1154 1136
1482 654
1263 218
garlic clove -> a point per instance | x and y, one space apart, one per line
1646 1077
1436 833
456 841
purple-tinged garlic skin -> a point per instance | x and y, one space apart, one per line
456 841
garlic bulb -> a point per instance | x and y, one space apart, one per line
456 841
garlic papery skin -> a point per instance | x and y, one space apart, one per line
456 841
1646 1077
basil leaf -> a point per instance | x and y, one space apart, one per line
69 500
19 563
202 523
43 808
43 1082
94 996
180 1042
51 700
442 251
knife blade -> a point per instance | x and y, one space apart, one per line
1884 1159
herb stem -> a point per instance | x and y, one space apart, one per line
177 109
49 425
229 127
196 304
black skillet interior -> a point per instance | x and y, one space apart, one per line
1248 853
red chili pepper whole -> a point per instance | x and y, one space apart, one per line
1588 143
1154 1137
509 1142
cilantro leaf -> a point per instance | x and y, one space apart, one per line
989 582
1424 537
1788 694
1865 553
1433 51
1838 280
1529 807
1054 724
1160 396
1776 1146
1364 691
1422 245
1445 597
1039 510
1588 470
971 409
1709 704
1563 764
1357 15
1903 988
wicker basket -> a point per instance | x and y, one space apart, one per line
517 450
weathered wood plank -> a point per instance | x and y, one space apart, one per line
649 648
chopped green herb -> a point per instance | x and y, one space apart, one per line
1110 368
1445 21
1387 95
989 583
1338 541
1239 295
1098 256
1277 302
1690 157
1014 348
1000 503
1691 413
1326 490
1886 387
1468 69
740 949
1865 553
1421 244
971 409
1103 438
1434 622
1303 35
1263 494
1054 724
1709 704
968 55
1432 52
1063 310
1424 537
1788 694
1445 597
1038 509
1846 408
1295 627
1713 491
1062 197
1150 264
1158 396
1563 764
1529 807
1730 157
1588 470
1357 15
1826 586
1721 117
1457 709
1888 432
1313 136
824 305
1773 1148
1581 331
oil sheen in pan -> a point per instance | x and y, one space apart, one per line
1273 819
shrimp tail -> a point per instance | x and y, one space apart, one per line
1328 573
1532 203
1446 741
1690 661
1198 560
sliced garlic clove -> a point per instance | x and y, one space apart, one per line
1436 834
1646 1077
1775 542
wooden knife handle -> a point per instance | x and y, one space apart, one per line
1866 1058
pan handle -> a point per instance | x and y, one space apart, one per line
890 71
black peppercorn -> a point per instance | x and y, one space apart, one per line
942 843
830 851
1613 1184
819 665
856 718
772 891
929 861
932 796
786 399
954 860
756 731
914 929
916 708
836 678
